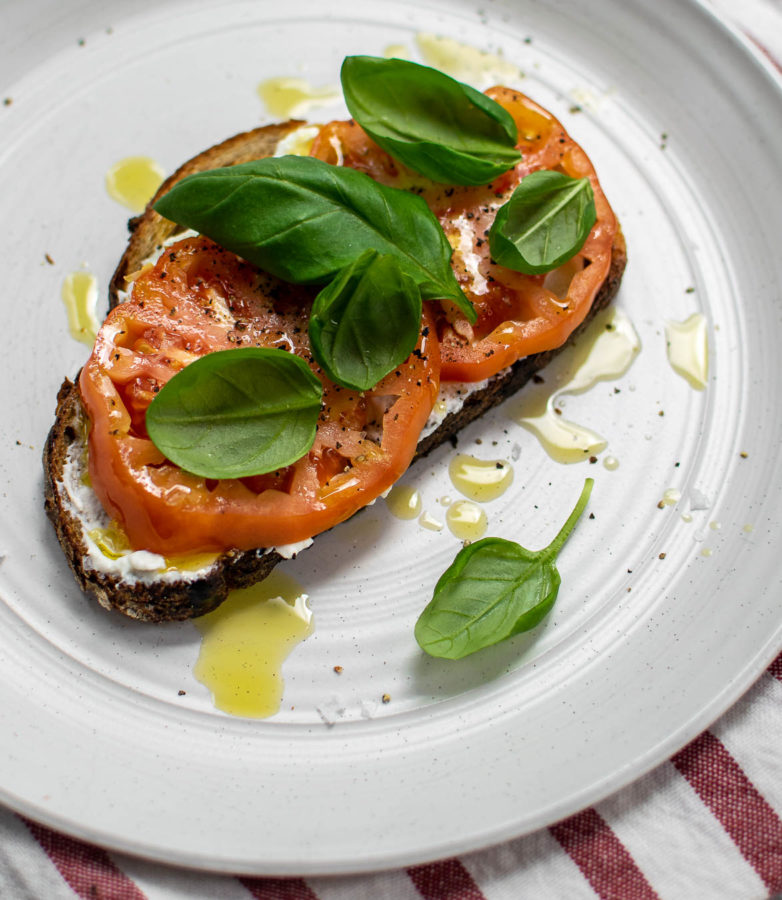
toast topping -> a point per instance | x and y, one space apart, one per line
198 298
518 314
364 441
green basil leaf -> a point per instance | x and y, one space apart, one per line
493 590
366 322
435 125
238 412
544 224
304 220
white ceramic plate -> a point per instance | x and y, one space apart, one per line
651 638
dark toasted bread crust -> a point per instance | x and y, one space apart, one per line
160 601
157 601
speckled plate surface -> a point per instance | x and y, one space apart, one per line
666 615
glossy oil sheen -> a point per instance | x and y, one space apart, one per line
80 294
466 520
688 349
245 642
404 501
133 181
286 98
480 479
606 351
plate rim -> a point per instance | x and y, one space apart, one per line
751 672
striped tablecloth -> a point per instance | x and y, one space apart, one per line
706 824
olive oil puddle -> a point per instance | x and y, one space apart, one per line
688 349
396 51
404 501
480 479
289 97
466 520
245 642
465 62
606 352
133 181
80 295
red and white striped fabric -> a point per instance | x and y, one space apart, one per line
706 824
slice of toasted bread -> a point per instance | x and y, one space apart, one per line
141 585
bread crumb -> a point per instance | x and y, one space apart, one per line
661 556
338 670
181 693
386 698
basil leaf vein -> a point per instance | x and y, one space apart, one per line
435 125
304 220
544 224
366 322
494 589
235 413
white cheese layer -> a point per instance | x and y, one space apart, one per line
451 399
132 566
289 551
141 566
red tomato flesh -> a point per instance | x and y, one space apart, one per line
518 315
199 298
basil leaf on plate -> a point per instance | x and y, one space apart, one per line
494 589
435 125
304 220
366 322
544 224
238 412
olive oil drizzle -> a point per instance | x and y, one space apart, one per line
245 642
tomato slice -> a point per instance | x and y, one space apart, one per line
518 315
199 298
